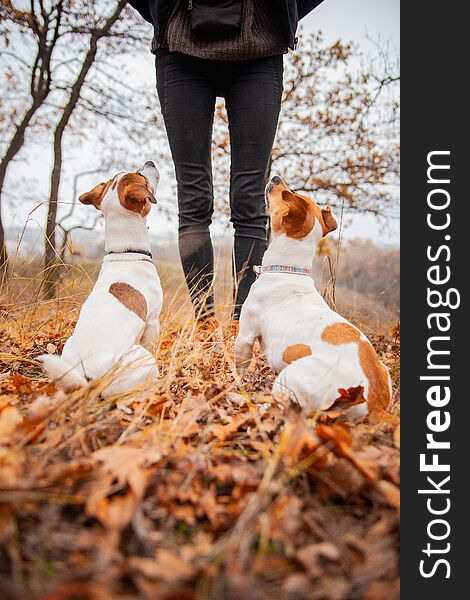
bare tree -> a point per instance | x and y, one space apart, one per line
335 139
337 136
41 24
97 33
82 86
66 226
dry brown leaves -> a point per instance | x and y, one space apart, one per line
198 489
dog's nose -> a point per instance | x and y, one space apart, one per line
151 164
276 179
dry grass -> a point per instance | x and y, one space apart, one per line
202 487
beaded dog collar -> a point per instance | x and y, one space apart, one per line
259 270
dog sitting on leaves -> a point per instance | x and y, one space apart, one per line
118 323
319 357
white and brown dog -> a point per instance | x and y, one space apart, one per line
318 356
118 323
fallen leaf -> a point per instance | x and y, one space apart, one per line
310 556
10 418
124 467
390 492
166 566
298 440
343 441
396 437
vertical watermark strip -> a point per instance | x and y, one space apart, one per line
435 253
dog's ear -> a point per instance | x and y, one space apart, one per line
134 194
94 196
329 222
298 220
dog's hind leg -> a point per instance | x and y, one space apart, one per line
137 369
243 353
150 335
243 347
306 382
314 382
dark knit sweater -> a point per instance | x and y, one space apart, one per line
260 34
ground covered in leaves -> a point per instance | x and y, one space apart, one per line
202 488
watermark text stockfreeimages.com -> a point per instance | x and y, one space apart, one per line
441 300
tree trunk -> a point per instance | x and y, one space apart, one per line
14 147
40 86
3 255
51 273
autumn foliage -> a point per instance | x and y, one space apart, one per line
204 487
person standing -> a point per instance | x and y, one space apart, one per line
233 49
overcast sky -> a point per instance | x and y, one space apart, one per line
349 20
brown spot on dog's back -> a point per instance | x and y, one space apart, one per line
295 352
378 394
130 298
340 333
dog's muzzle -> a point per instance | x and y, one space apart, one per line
276 180
151 174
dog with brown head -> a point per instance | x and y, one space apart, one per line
118 325
125 201
295 214
320 359
134 191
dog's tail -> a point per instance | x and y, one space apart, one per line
64 374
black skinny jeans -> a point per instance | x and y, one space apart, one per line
187 89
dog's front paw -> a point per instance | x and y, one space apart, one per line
242 353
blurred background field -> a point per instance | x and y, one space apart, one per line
360 278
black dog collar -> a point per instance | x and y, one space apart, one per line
146 252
